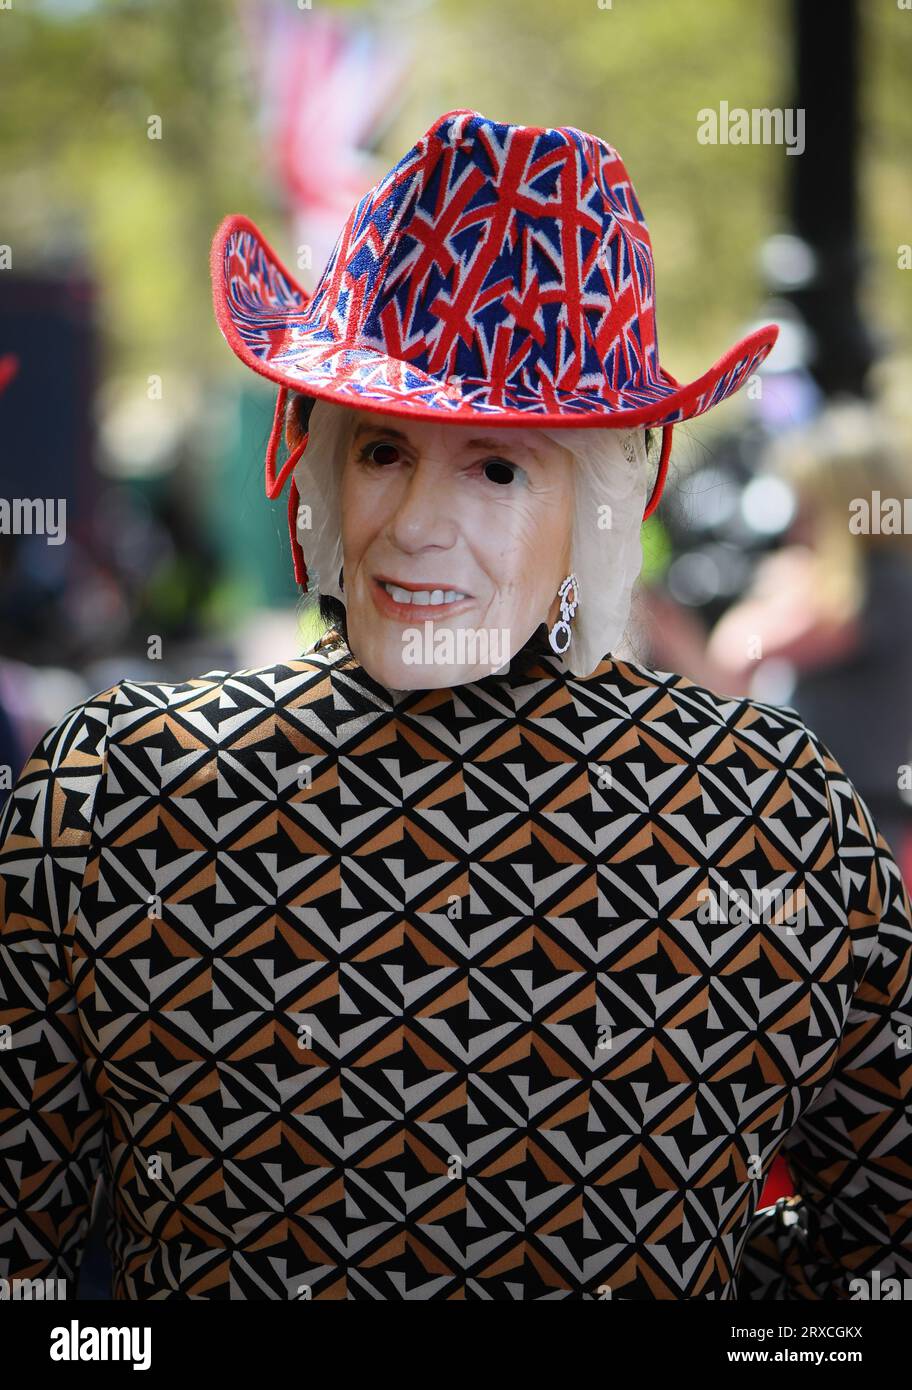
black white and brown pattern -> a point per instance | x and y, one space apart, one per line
353 994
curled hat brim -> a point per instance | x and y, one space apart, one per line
270 323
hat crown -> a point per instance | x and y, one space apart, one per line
496 271
499 254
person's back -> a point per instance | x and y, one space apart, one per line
512 990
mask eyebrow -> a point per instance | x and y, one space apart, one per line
368 426
497 445
482 442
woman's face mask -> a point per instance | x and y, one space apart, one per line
456 539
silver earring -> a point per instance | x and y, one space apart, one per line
561 634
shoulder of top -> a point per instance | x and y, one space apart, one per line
51 805
78 737
281 677
73 752
75 742
733 711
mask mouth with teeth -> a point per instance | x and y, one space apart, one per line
410 597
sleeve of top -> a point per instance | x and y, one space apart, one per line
50 1117
850 1155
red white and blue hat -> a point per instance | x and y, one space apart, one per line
502 272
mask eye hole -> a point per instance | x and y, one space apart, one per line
498 471
382 452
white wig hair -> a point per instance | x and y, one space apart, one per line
610 484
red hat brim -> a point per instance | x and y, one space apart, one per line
265 319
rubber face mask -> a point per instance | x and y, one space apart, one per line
456 539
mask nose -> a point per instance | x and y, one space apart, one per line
424 515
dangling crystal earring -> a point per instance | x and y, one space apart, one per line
561 634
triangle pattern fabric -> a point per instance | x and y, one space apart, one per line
488 993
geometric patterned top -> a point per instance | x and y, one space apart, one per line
512 990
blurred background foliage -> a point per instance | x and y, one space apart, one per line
78 175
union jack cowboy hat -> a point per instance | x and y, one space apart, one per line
497 271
